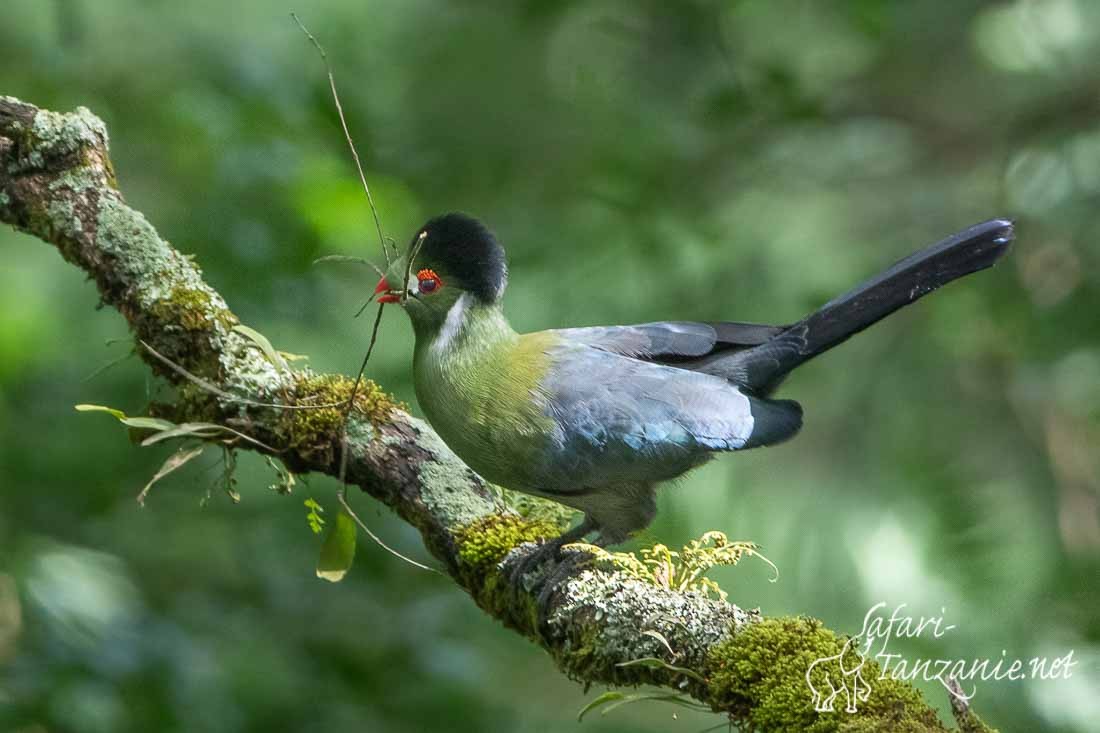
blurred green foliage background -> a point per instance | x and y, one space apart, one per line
641 161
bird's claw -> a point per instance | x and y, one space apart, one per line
561 564
530 560
569 562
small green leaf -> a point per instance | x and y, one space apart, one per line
314 518
284 479
265 346
338 549
611 700
603 699
174 461
145 423
148 423
200 430
187 429
661 638
680 700
100 408
341 259
655 663
229 461
657 696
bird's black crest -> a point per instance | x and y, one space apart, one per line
466 249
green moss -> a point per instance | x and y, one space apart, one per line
584 657
191 308
486 542
314 433
480 548
192 404
759 674
109 170
193 321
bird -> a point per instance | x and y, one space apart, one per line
596 417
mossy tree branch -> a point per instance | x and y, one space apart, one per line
57 183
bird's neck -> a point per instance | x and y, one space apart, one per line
469 328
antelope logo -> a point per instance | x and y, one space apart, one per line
851 682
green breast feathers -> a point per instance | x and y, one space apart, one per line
479 386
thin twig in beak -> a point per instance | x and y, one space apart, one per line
347 135
364 307
347 258
393 245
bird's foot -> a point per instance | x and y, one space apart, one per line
516 569
526 570
572 560
529 560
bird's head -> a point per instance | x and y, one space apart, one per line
453 256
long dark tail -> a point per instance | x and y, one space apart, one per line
761 368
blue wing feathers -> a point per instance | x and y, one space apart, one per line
622 419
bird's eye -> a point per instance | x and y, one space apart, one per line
428 281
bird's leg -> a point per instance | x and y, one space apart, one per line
548 550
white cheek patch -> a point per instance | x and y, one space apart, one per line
452 324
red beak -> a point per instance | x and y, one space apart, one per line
383 288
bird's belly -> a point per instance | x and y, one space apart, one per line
499 451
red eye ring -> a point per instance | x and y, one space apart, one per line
428 281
